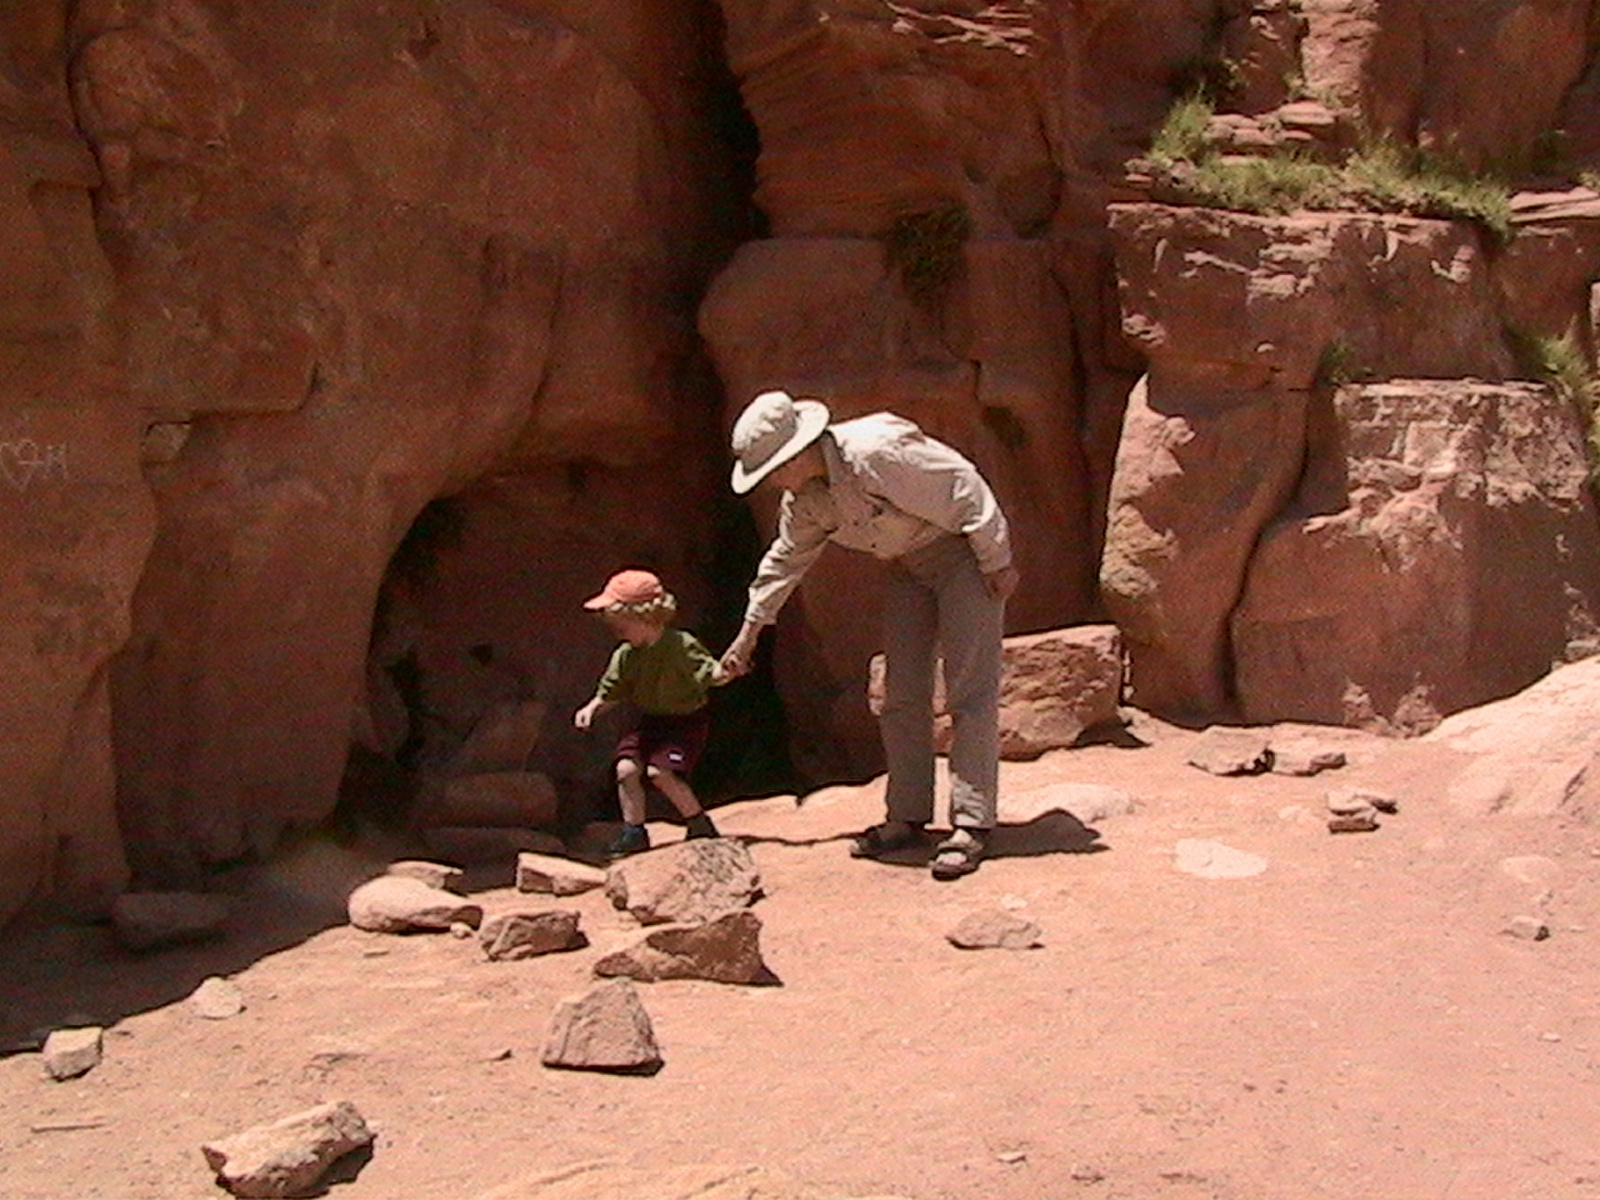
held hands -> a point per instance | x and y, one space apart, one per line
1001 583
738 658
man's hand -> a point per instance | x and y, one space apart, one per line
1001 583
739 657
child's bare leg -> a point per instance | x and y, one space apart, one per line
630 790
675 788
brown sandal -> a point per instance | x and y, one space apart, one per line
958 855
886 838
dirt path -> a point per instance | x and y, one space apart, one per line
1350 1022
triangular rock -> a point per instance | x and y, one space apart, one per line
515 935
604 1029
288 1157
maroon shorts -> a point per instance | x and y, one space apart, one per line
672 743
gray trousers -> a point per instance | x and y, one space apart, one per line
936 604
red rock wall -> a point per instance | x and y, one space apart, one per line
276 276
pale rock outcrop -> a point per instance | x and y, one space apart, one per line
1465 561
435 875
288 1157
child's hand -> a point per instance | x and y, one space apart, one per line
584 717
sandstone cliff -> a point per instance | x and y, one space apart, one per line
348 344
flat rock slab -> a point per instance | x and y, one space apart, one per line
435 875
557 876
1227 751
515 935
1291 758
396 904
994 930
1214 860
726 949
687 882
603 1029
154 920
288 1157
69 1053
216 999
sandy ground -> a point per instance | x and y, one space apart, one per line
1353 1021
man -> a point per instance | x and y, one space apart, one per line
878 484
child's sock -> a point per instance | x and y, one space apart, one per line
700 826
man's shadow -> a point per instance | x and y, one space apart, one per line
1055 831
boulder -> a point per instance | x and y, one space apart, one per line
604 1029
396 904
288 1157
155 920
509 936
687 882
557 876
725 949
1054 686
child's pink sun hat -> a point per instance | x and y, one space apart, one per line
631 588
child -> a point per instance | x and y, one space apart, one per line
665 674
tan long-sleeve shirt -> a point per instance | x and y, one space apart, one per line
891 489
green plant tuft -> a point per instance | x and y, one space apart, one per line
1182 136
925 249
1561 363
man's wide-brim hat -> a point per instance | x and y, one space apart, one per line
773 428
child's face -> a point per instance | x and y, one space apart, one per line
635 630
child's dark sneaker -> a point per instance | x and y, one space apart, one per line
631 840
700 826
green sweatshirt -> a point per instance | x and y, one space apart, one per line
671 676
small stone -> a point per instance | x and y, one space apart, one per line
216 999
69 1053
1354 801
1084 1173
1227 751
1549 1037
557 876
1357 822
435 875
518 935
1305 760
1530 929
288 1158
460 930
1214 860
1012 1157
993 930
